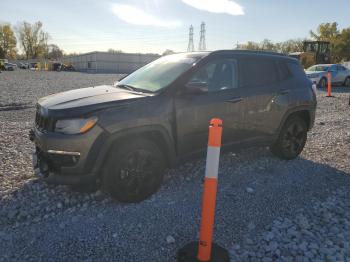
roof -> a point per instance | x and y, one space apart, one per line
241 51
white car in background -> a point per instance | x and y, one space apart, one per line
318 74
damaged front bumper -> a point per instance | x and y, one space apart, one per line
56 166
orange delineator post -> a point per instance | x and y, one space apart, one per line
205 249
209 192
329 76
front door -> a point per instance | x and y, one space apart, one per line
220 99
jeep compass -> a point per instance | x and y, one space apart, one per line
123 136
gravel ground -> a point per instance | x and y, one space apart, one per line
267 209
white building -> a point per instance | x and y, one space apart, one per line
108 62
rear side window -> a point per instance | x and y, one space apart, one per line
257 72
283 70
296 69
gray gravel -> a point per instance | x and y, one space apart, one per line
267 209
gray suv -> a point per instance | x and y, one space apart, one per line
122 137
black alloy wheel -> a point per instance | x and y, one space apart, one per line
134 171
292 139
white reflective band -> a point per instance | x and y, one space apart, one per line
212 165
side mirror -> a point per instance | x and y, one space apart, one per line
196 88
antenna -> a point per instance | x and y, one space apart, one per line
202 45
190 47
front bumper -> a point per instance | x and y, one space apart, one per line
66 159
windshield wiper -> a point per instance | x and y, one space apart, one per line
132 88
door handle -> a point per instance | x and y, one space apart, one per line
284 91
234 100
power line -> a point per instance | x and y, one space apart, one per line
190 47
202 45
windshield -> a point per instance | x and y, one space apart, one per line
318 68
159 74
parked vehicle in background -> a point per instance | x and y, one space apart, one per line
68 67
10 67
23 65
124 136
33 66
318 74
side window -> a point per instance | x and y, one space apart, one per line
296 69
217 75
257 72
283 70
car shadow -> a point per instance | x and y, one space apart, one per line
277 189
238 170
337 89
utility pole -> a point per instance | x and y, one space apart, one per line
190 47
202 45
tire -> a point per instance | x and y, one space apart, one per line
291 140
323 82
134 171
347 81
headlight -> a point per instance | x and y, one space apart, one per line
75 126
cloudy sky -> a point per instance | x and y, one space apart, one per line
156 25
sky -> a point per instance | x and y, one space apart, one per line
152 26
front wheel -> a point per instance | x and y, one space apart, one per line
291 140
134 171
347 81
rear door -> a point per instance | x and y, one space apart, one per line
222 100
265 90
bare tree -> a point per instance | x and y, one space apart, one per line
33 39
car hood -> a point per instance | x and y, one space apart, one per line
83 100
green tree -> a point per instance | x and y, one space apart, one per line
8 42
326 32
341 47
33 39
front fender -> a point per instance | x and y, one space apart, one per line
129 133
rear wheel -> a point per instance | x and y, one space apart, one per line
347 81
323 82
134 171
292 139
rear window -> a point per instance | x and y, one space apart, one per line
257 72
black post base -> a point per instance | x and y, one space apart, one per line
330 96
189 252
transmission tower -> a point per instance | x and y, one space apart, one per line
202 45
190 47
